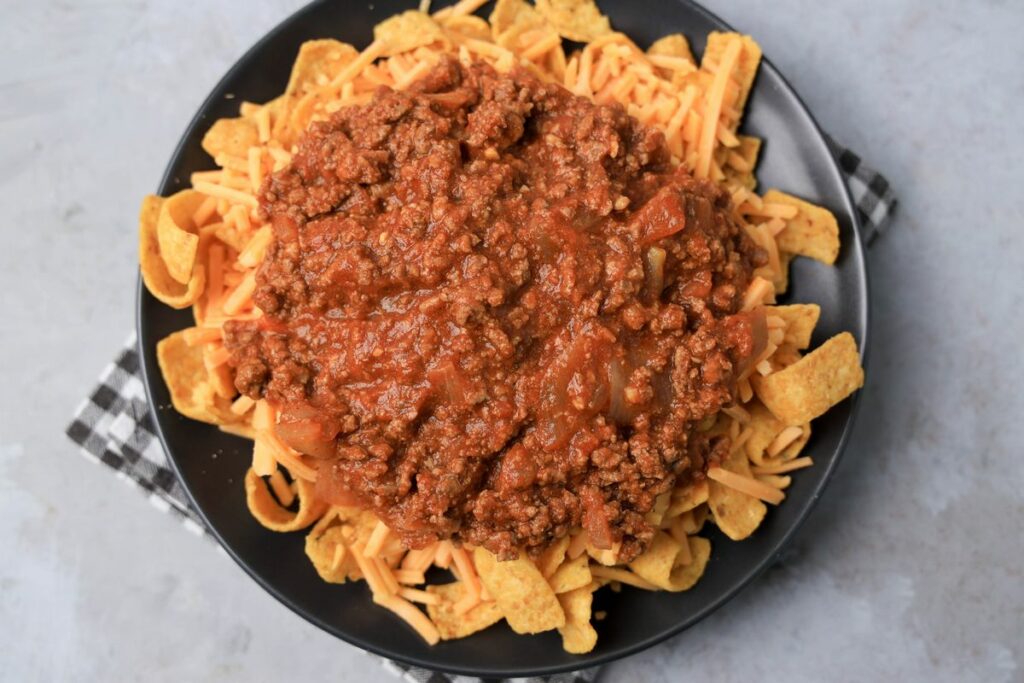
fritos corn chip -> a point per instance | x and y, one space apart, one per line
801 320
232 137
177 234
814 231
525 598
155 274
571 575
272 515
578 20
318 61
452 625
578 635
672 45
736 513
668 566
408 31
815 383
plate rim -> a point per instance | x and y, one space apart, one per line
150 373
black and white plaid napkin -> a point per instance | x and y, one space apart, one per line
114 426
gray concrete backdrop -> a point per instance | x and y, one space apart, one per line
911 566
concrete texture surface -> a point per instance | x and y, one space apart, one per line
911 566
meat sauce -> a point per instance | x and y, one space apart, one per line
494 312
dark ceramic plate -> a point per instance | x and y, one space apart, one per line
795 157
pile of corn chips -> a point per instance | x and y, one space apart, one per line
201 247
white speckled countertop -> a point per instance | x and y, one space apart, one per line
911 566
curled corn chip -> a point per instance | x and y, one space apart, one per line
452 625
748 151
155 275
523 595
672 45
578 20
693 521
323 548
571 575
736 513
552 556
338 526
241 429
668 566
800 322
317 63
510 13
808 388
269 512
468 26
578 635
177 234
687 498
764 427
233 137
186 377
813 232
408 31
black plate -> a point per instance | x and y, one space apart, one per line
795 158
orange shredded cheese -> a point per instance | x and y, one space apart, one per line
226 193
542 47
263 462
577 545
241 295
751 487
205 212
467 570
783 440
194 336
780 468
443 556
288 457
421 596
242 405
625 576
759 291
409 577
376 541
390 582
283 491
370 572
412 616
215 355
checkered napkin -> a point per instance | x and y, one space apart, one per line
114 426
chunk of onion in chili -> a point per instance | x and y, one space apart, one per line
331 486
664 214
307 435
654 266
619 410
737 327
451 384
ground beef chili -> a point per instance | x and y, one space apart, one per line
494 311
